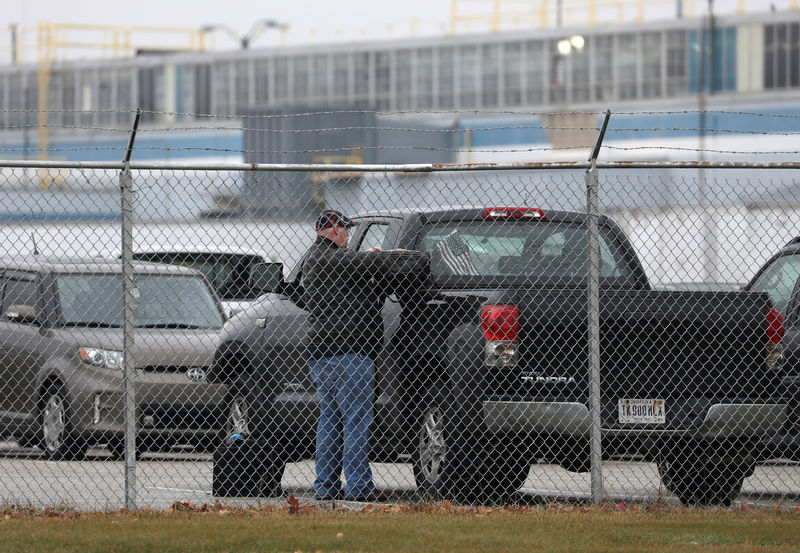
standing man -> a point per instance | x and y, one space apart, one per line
344 300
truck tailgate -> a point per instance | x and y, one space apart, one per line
709 347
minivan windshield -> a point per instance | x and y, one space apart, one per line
539 249
159 301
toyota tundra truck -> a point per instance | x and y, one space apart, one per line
484 369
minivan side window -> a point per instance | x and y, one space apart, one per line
19 292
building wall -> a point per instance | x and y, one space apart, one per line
656 61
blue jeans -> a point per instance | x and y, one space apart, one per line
345 386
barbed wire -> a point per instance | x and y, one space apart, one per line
416 148
406 112
708 130
699 150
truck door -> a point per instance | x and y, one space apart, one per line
377 234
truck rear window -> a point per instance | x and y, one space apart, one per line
539 249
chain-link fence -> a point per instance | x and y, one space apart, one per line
156 346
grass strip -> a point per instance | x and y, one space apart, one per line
395 529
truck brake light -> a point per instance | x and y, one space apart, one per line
500 322
775 326
775 332
500 325
513 213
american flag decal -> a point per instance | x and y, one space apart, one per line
456 255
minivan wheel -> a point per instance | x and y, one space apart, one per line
58 441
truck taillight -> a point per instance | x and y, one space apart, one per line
500 325
775 327
775 332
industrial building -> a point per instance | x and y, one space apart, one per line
728 62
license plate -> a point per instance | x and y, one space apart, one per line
633 411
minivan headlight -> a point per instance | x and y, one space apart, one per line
101 357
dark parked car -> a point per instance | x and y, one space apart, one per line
229 272
61 355
780 278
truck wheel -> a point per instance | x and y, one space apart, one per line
429 450
445 460
505 470
698 481
58 441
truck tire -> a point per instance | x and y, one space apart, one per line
444 462
505 470
702 482
57 439
451 462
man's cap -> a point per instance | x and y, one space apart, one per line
331 217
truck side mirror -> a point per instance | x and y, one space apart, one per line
266 277
21 313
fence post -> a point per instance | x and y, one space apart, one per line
129 363
593 318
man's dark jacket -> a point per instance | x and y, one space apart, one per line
344 295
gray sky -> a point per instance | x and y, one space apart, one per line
311 21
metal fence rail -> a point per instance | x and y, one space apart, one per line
680 350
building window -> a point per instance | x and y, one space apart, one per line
603 68
468 75
782 55
341 78
579 66
626 66
651 65
512 74
320 75
261 76
535 70
105 99
490 74
676 63
402 80
446 78
424 78
722 73
242 85
302 82
383 80
282 76
558 73
202 89
361 69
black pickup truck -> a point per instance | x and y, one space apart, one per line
484 369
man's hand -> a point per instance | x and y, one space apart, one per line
375 249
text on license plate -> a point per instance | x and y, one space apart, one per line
642 411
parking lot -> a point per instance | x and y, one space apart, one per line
163 478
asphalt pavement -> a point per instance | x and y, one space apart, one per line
98 483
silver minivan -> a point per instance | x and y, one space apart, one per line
61 360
